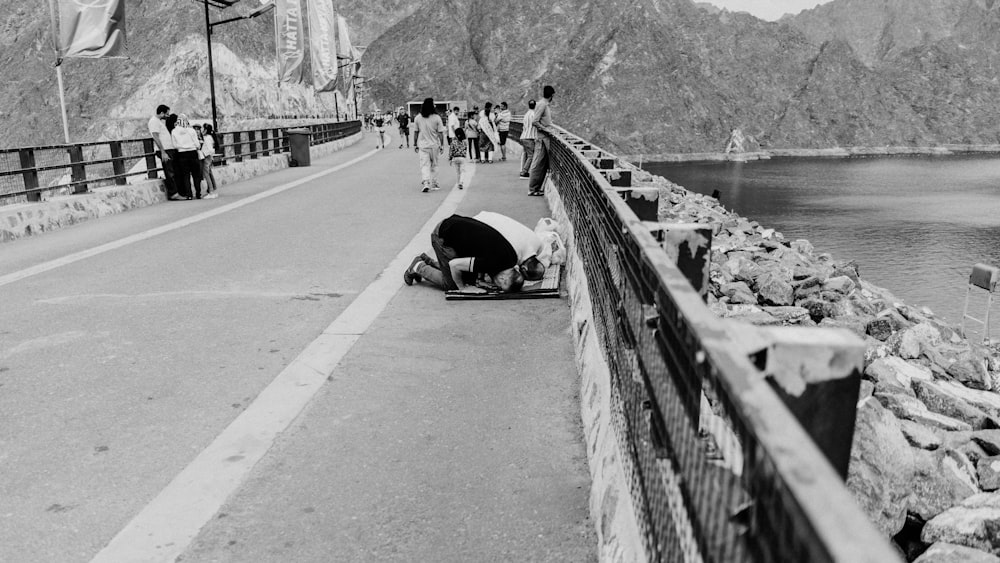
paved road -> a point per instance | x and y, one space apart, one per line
247 379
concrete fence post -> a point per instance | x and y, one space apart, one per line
29 174
149 148
689 246
78 170
118 163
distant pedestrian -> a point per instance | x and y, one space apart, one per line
208 148
503 127
165 148
472 134
428 142
458 154
488 138
404 128
453 123
528 136
188 166
540 160
379 122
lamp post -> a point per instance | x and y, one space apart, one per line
208 35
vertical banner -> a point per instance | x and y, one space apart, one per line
344 48
322 23
91 29
288 39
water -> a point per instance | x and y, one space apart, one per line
915 225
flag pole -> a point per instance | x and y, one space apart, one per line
59 60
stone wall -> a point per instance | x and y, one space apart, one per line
27 219
610 498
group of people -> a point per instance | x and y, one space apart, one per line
489 244
186 153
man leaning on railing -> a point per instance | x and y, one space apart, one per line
540 160
165 145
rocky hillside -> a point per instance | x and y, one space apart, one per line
656 76
925 462
166 63
637 76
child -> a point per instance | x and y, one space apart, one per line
459 157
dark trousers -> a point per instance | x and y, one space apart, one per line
473 147
188 170
170 172
539 165
529 153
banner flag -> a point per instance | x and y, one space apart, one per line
322 23
288 40
91 29
344 48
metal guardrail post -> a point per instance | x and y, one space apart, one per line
237 147
78 170
30 175
118 163
149 147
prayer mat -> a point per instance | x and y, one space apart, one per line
548 286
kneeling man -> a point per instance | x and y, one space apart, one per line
466 247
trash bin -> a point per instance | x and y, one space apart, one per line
298 144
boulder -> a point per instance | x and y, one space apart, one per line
802 246
942 400
988 469
920 436
840 284
852 323
886 323
791 315
738 292
971 371
913 340
897 369
943 552
774 290
900 404
973 523
941 479
985 400
849 270
881 468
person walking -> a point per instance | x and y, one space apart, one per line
528 136
165 149
487 134
458 154
540 160
404 128
185 139
208 147
428 143
503 128
472 134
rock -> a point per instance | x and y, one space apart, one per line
851 323
802 247
988 469
840 284
774 290
941 480
985 400
971 371
973 523
898 369
916 338
989 440
881 467
920 436
849 270
791 315
886 323
866 389
906 407
941 400
738 292
819 309
935 420
943 552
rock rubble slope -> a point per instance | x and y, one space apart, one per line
925 464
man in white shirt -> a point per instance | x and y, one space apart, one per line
165 148
528 135
453 123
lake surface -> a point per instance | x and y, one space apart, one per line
915 225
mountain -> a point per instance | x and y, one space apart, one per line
635 76
166 63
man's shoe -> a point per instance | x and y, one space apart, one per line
425 190
411 275
460 187
523 175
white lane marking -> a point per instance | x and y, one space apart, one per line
138 237
171 521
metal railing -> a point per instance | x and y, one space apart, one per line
676 369
27 172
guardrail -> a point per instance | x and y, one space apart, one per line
27 172
726 460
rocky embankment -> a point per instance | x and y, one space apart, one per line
925 464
